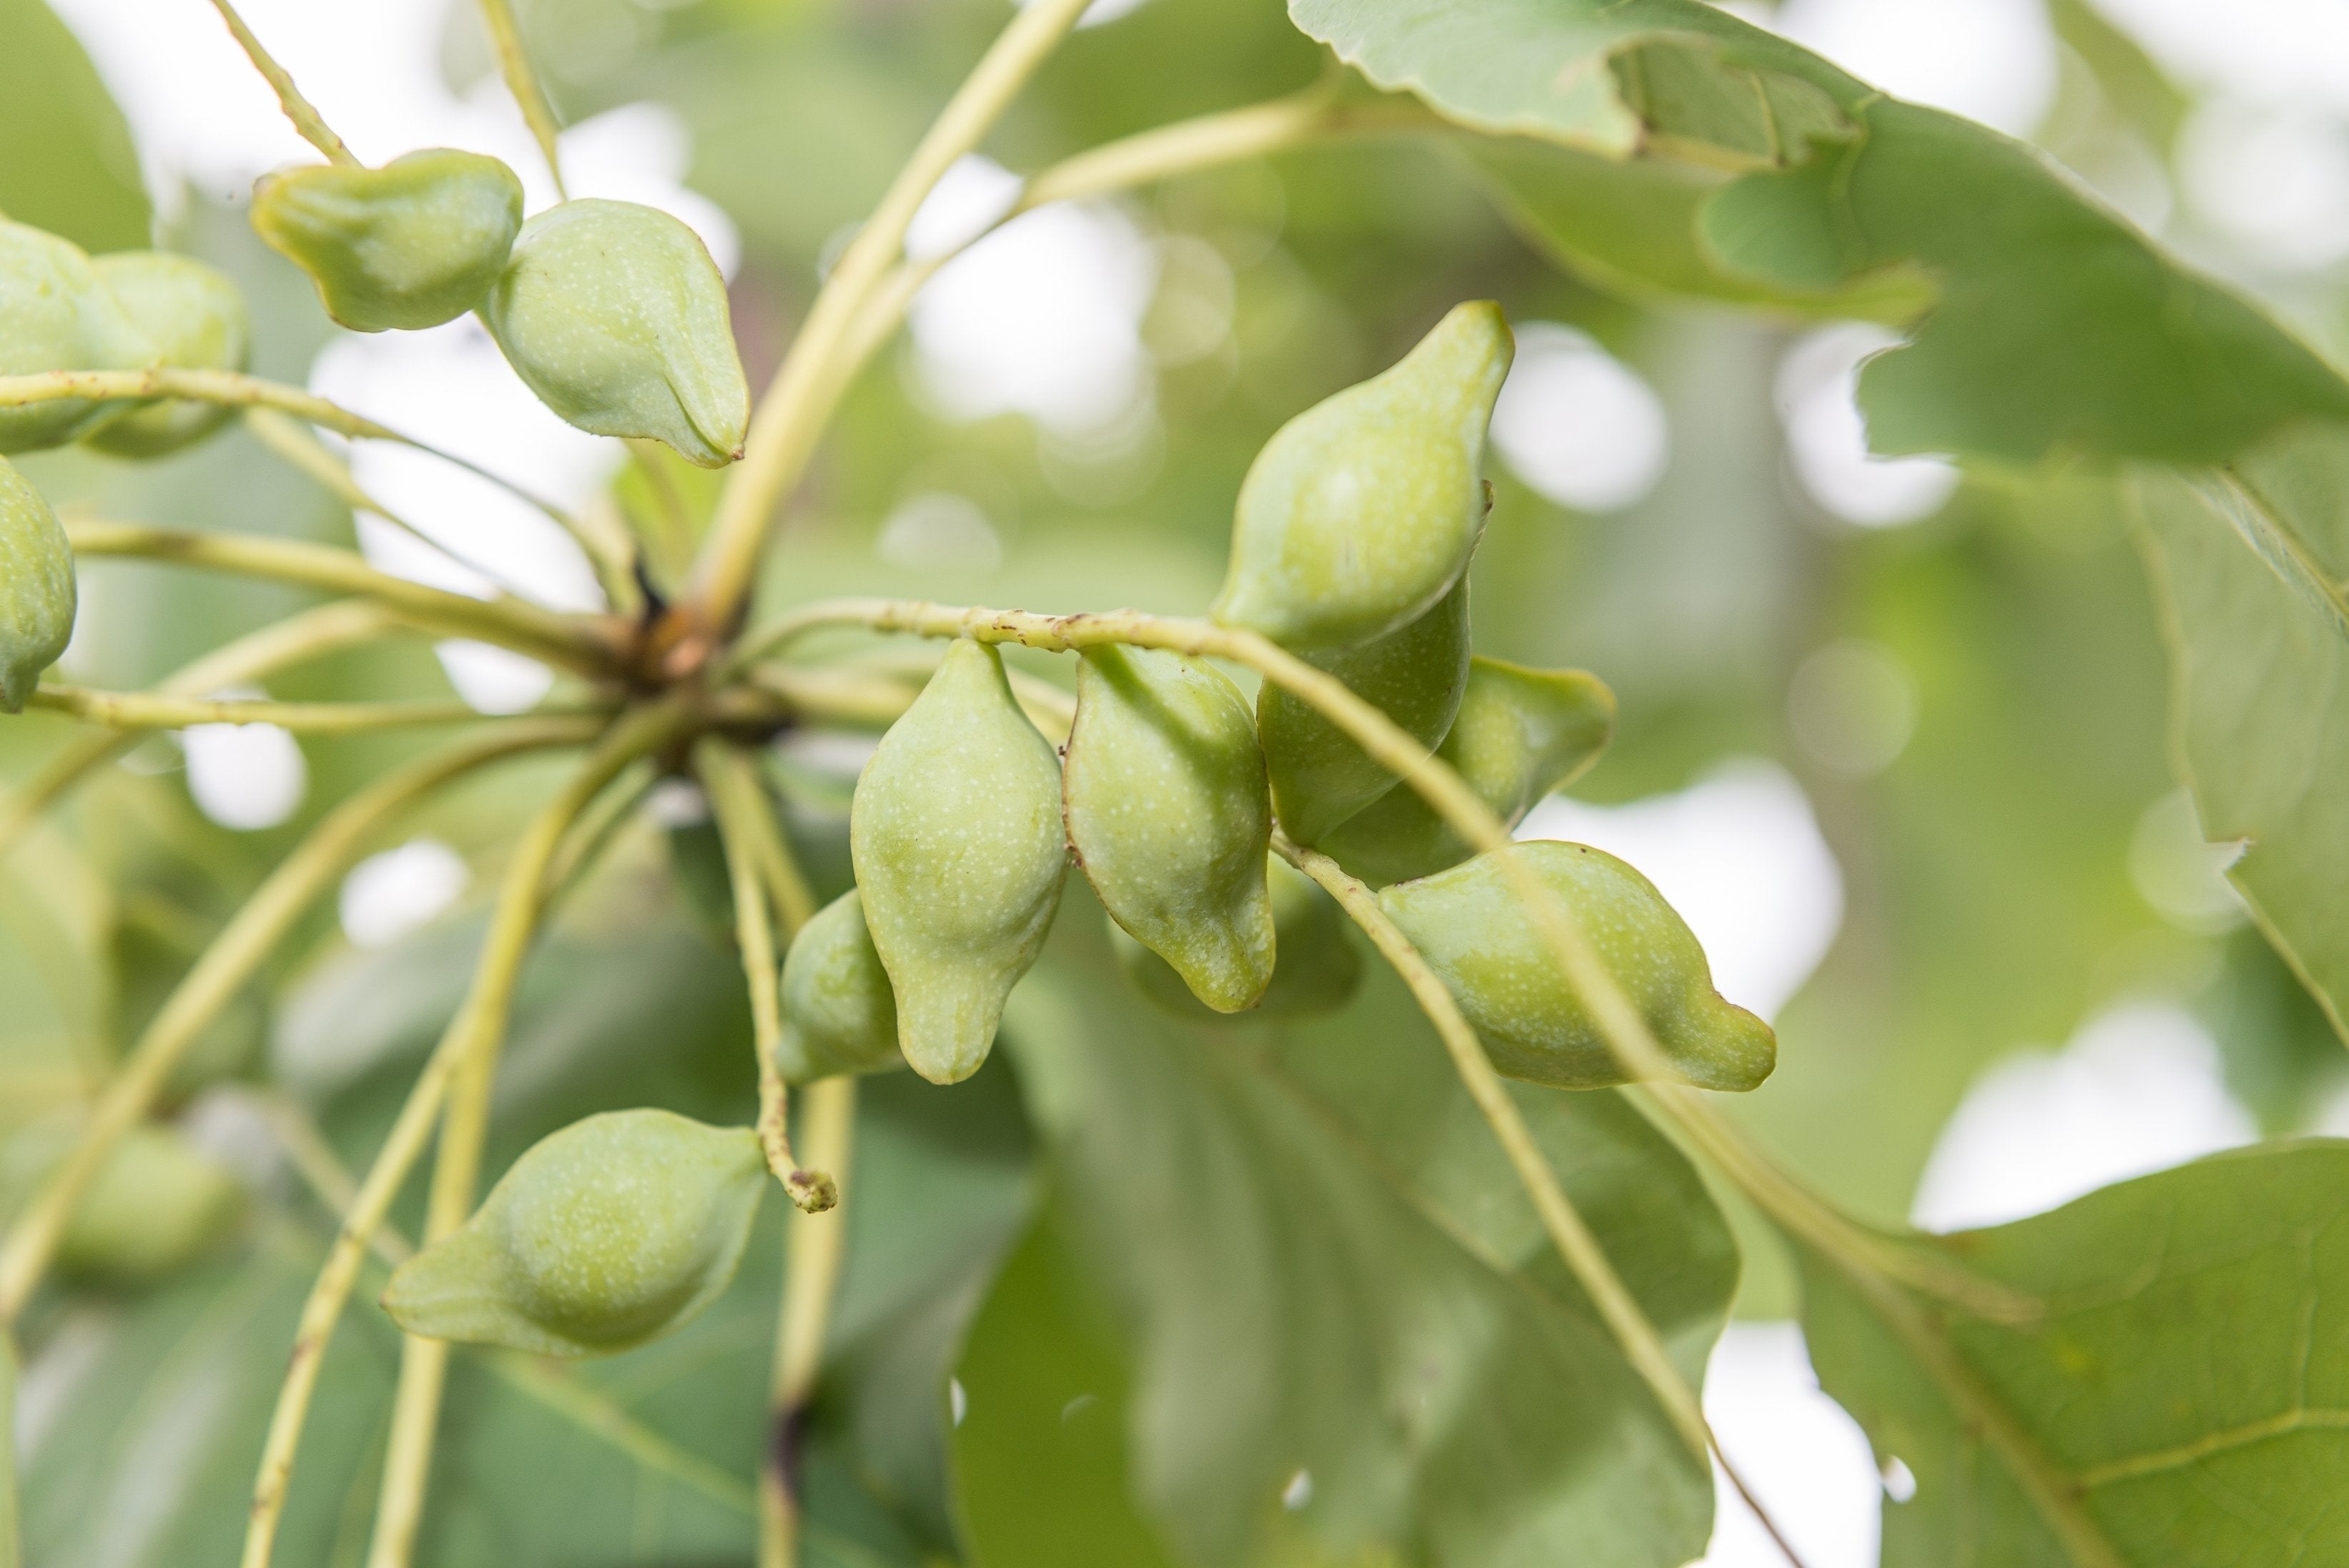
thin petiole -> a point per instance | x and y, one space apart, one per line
158 711
1621 1310
739 801
589 645
307 636
299 109
819 1244
513 63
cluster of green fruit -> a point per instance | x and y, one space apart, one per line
1354 532
612 313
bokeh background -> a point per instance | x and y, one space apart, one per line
1892 734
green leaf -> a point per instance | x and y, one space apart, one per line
1620 78
1040 1455
2057 327
1321 1264
2260 691
75 173
2182 1398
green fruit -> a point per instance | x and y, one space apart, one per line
1165 795
1520 734
839 1014
56 315
37 588
1361 511
196 318
959 852
1415 675
1478 935
410 245
616 318
156 1204
1317 968
612 1232
159 1203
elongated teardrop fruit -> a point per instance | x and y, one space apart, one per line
1520 734
839 1014
1315 968
157 1205
1165 795
616 318
1415 675
37 588
55 315
1360 512
195 316
956 838
612 1232
1482 940
410 245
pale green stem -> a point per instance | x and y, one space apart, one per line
291 440
1625 1032
154 710
513 62
472 1044
589 645
307 636
1642 1346
739 801
234 956
306 118
819 1244
231 389
791 417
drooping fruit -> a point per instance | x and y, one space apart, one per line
1485 942
610 1232
195 316
959 852
1164 796
38 594
410 245
839 1014
1415 675
1520 734
616 318
1361 512
1315 968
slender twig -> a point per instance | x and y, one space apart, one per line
1619 1024
307 636
589 645
292 441
306 118
1642 1346
513 62
231 959
790 417
473 1040
156 710
818 1244
739 802
234 390
763 842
